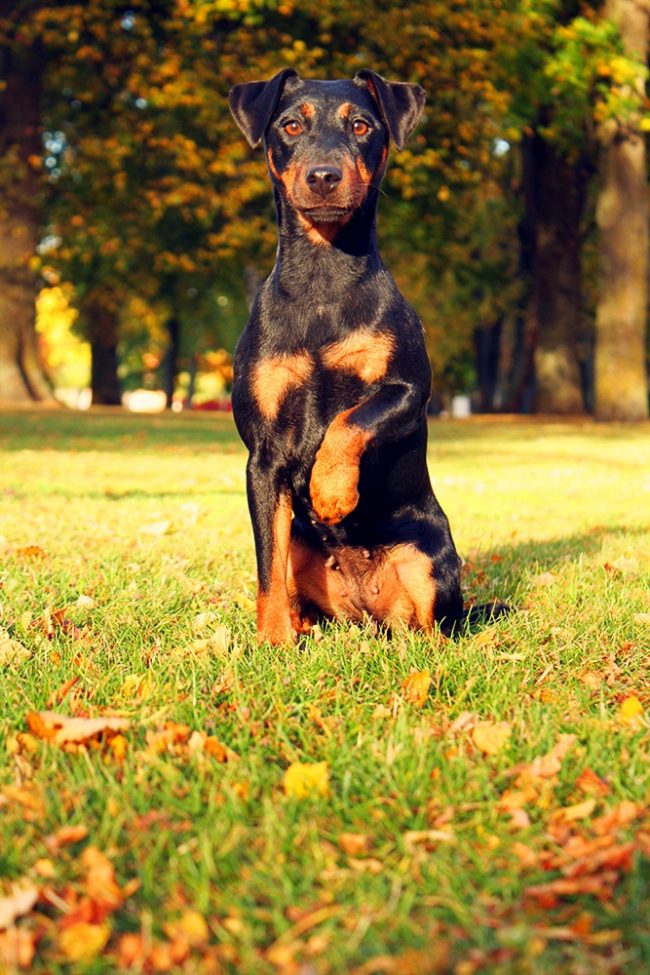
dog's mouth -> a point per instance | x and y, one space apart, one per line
327 213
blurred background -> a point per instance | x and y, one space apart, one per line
136 224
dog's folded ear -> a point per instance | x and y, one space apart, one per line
400 104
254 103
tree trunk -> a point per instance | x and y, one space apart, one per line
21 374
99 312
555 194
171 359
621 383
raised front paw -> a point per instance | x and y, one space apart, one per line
334 490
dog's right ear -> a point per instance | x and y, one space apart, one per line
254 103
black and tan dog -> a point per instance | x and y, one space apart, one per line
331 374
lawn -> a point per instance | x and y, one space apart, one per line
452 806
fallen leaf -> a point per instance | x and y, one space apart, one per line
65 836
416 687
61 729
631 711
17 949
20 901
190 927
11 651
571 814
588 781
354 844
490 736
545 766
427 838
82 942
31 552
544 579
305 779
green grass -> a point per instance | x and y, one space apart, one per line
147 517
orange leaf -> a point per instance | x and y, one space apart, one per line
416 687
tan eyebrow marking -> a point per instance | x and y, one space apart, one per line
308 110
345 110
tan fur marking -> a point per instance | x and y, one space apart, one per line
367 354
272 166
273 612
307 109
345 110
364 173
392 585
273 378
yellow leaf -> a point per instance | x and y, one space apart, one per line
416 687
631 710
304 779
190 927
490 736
82 942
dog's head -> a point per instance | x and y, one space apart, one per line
326 142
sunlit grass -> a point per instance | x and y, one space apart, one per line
147 517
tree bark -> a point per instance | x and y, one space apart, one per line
621 382
171 359
21 374
555 196
99 312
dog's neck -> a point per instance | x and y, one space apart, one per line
311 256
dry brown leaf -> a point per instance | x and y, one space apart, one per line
20 901
17 949
622 815
355 844
588 781
61 729
427 838
416 687
571 814
65 836
490 736
11 651
549 764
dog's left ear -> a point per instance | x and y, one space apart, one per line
254 103
400 104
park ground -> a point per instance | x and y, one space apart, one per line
352 805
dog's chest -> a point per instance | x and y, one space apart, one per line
280 381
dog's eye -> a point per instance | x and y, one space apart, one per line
359 127
292 127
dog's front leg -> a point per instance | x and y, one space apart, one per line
392 412
270 505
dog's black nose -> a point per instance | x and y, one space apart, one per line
324 179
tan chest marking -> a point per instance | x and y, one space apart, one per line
274 378
366 354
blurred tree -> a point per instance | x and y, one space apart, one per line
21 62
621 383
